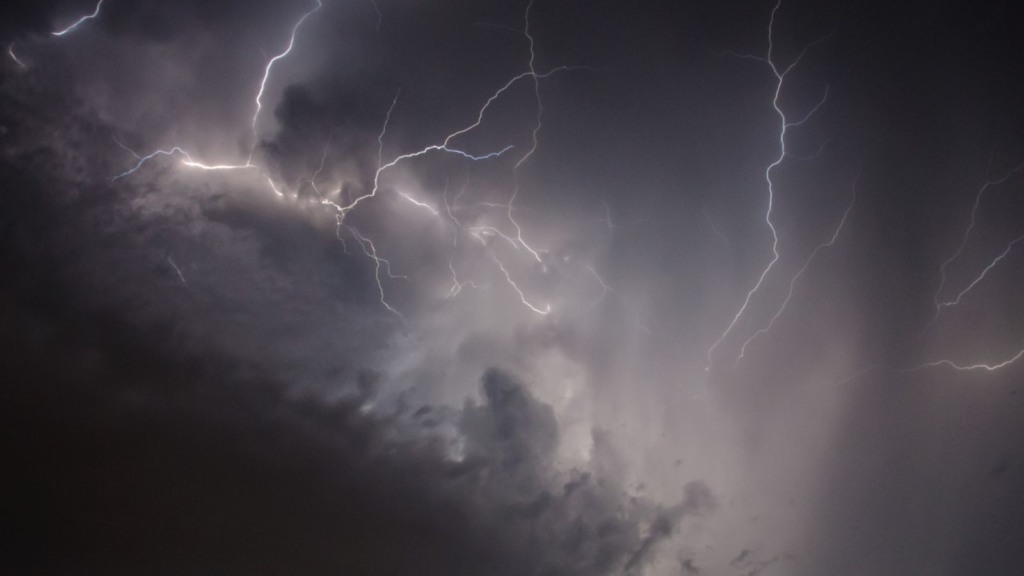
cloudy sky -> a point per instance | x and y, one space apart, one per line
562 288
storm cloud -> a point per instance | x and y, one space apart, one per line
512 288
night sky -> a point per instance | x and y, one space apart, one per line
495 288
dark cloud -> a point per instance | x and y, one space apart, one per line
697 500
122 459
135 448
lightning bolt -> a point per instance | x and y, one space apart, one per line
186 160
274 60
177 270
371 252
533 134
443 147
481 234
446 145
980 277
945 362
522 297
484 233
971 367
323 164
80 21
365 243
10 52
420 203
57 33
606 290
457 285
792 283
784 125
939 305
